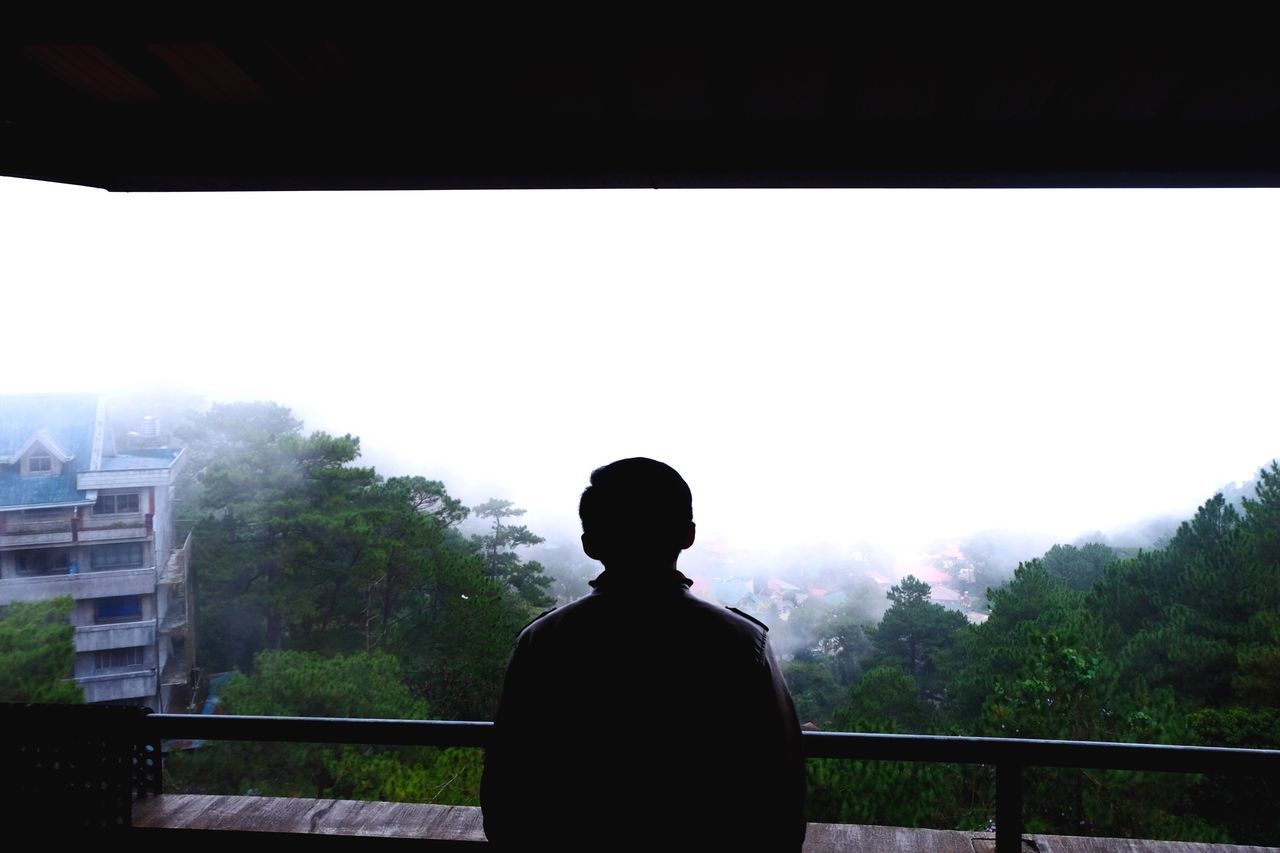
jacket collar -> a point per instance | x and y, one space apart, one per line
640 582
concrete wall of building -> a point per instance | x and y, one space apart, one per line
166 597
82 614
86 665
75 533
120 687
36 528
93 523
84 553
90 518
81 552
99 480
162 609
121 533
80 586
162 524
123 635
36 540
10 559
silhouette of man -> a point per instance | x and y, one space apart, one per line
640 716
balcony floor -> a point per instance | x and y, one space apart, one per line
462 825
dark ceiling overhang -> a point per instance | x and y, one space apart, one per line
329 113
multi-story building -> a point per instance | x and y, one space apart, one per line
79 518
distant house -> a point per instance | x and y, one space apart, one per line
79 518
948 597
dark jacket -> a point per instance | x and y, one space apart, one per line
642 716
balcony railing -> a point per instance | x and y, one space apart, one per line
119 635
95 584
53 525
126 684
1009 755
114 531
18 532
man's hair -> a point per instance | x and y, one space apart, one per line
636 506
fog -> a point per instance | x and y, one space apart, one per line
843 377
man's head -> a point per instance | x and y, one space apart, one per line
636 511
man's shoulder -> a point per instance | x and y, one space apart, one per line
591 610
538 618
756 624
724 627
550 620
751 629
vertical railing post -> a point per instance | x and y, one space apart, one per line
1008 807
148 757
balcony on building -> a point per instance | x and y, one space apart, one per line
33 528
94 638
125 685
106 583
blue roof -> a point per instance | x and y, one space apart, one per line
70 421
143 459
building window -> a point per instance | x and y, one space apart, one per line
115 504
116 658
117 608
45 561
40 463
125 555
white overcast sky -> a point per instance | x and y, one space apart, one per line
823 366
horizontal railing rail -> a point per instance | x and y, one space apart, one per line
1008 755
320 730
31 527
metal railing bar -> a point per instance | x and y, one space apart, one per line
1008 808
1031 752
1026 752
321 730
1009 755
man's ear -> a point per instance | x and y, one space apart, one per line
586 548
690 536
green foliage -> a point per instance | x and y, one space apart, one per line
1176 645
364 684
304 684
371 603
845 645
1247 728
885 699
1077 568
450 776
896 793
501 561
814 691
300 549
915 634
455 638
833 636
37 652
281 537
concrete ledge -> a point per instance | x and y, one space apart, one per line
118 686
100 584
20 539
461 825
108 534
93 638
